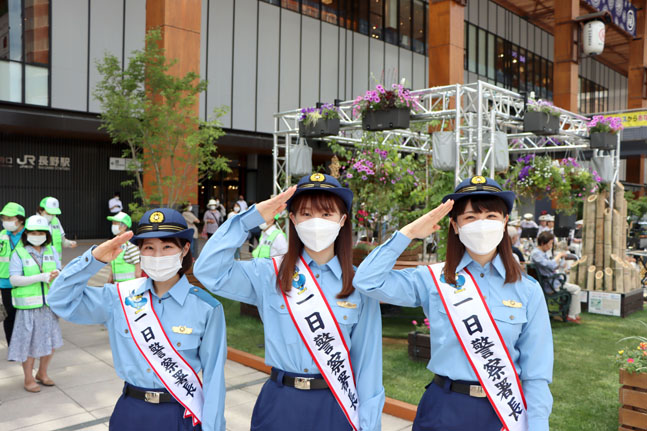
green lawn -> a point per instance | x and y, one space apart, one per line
585 381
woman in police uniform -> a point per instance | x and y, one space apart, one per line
297 397
479 249
192 320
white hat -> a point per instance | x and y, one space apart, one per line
37 222
512 232
543 217
515 222
212 202
528 216
550 217
51 205
579 222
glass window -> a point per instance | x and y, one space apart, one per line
500 61
482 51
419 34
391 21
36 84
538 74
530 72
491 56
361 11
406 23
522 69
37 31
471 49
544 78
329 10
11 30
376 19
514 66
11 81
310 8
291 4
274 2
549 77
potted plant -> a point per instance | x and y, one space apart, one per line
603 132
632 364
563 181
319 122
383 109
419 342
541 118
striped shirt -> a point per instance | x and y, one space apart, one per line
132 254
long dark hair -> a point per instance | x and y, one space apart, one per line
456 249
320 201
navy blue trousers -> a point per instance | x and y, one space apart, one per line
131 414
282 408
443 410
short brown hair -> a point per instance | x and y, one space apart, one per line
545 237
187 261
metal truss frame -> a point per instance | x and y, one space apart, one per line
473 112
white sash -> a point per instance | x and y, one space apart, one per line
320 332
482 343
172 369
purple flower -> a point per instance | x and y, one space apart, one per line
364 177
380 89
409 171
392 181
349 175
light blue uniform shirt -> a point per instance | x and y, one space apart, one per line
204 349
14 238
526 331
254 282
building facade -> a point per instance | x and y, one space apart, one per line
259 57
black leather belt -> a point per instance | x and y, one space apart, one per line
152 397
475 391
303 383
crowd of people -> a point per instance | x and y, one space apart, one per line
491 339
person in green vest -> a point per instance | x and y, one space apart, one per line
273 241
50 209
13 224
36 333
127 265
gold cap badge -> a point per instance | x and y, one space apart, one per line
478 180
156 217
317 177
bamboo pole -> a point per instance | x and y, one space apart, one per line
588 236
599 280
616 229
599 230
618 273
608 235
572 273
626 278
590 278
608 279
581 272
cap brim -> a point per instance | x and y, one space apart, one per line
9 213
185 234
345 194
53 211
507 196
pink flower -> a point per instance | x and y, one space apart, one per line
414 322
630 360
380 89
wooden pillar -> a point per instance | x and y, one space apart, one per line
179 22
638 61
635 169
565 79
446 42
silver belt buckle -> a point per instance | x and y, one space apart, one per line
477 391
152 397
302 383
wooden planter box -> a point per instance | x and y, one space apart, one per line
540 123
386 120
323 127
603 141
419 346
633 400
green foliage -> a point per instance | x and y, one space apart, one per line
153 112
389 187
636 207
633 357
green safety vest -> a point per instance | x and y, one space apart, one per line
265 245
33 295
122 270
6 250
57 238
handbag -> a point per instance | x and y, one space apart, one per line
300 159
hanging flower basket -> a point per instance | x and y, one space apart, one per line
386 120
603 132
603 141
321 128
541 118
319 122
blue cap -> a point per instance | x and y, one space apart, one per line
162 223
323 183
479 185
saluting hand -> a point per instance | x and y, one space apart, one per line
427 224
275 205
109 250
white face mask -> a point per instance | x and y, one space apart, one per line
262 226
163 267
236 209
212 207
482 236
11 226
317 233
190 208
49 217
217 202
36 240
116 229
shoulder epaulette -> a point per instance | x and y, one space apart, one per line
204 295
529 278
